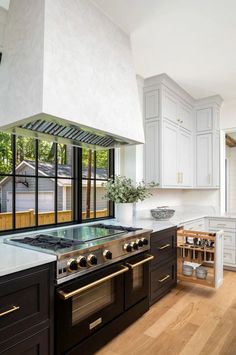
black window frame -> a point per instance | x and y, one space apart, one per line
76 179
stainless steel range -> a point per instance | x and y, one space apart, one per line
82 249
102 281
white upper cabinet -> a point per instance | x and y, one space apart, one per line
185 153
204 119
152 161
170 154
182 137
170 107
204 161
185 116
151 104
177 156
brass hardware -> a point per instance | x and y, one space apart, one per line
65 296
164 278
13 309
149 258
221 225
164 246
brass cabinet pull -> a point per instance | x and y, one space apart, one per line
65 296
164 278
149 258
164 246
221 225
13 309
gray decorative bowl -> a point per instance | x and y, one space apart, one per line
162 213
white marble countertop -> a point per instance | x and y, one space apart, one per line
14 259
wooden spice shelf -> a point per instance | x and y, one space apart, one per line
188 252
205 250
210 282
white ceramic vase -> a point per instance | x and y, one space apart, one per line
124 212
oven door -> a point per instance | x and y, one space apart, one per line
87 303
137 279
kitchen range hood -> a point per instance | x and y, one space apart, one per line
67 75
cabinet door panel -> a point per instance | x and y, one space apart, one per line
170 109
185 158
185 117
152 151
204 160
151 102
204 119
170 154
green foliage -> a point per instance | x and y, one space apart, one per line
124 190
25 150
102 157
5 153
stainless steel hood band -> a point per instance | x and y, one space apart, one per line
65 296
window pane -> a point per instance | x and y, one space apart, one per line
5 153
102 164
47 158
87 163
25 156
25 202
102 204
6 218
65 158
64 200
87 199
46 201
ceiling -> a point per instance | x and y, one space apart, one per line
193 41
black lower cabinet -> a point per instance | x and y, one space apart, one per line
38 344
26 312
163 270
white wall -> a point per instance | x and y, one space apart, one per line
228 115
3 18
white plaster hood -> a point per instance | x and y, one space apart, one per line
66 63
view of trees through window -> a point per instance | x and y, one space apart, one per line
37 183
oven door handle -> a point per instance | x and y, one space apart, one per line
65 296
147 259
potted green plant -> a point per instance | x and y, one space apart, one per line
124 192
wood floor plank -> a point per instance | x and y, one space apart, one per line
191 320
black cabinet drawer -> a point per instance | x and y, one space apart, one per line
24 302
162 279
37 344
163 246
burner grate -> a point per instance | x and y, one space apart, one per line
48 242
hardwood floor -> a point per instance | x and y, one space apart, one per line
191 320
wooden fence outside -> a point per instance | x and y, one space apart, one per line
27 218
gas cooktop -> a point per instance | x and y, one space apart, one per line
79 248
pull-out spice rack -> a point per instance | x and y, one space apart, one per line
200 248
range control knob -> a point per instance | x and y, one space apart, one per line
72 265
134 245
107 254
128 248
140 243
82 261
92 260
145 241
